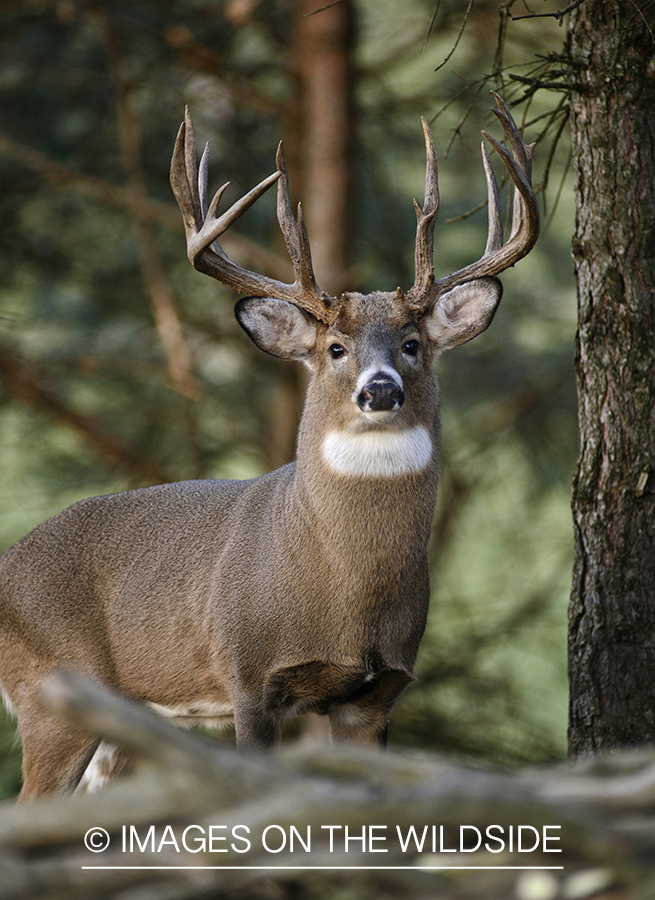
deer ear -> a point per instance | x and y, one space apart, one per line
464 312
277 327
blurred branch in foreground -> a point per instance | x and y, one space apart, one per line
598 814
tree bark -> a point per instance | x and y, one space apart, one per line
612 611
323 48
318 137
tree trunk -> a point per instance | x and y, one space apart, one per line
612 612
318 135
324 63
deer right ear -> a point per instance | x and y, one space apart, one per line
277 327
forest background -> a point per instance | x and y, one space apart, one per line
120 366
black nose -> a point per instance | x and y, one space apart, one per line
381 394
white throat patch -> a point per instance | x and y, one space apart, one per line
378 454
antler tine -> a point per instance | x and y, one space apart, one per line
425 221
285 218
293 231
182 186
314 301
495 230
203 177
524 212
525 225
522 154
203 228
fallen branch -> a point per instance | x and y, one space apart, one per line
394 822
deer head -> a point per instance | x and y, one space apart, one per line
454 308
364 351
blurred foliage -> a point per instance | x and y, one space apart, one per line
88 401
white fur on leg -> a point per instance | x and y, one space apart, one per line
99 771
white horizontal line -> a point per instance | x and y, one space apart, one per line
331 868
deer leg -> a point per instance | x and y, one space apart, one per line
365 719
255 726
359 723
108 762
54 755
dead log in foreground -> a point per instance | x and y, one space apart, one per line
197 821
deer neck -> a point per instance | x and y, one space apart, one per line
376 487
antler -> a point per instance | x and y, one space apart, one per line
202 229
497 256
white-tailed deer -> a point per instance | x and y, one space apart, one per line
304 589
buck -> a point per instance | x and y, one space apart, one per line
305 589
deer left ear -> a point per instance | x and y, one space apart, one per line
464 312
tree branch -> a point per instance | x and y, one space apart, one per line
459 35
559 15
25 385
162 303
247 251
599 813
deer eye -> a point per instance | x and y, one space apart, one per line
336 351
411 347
